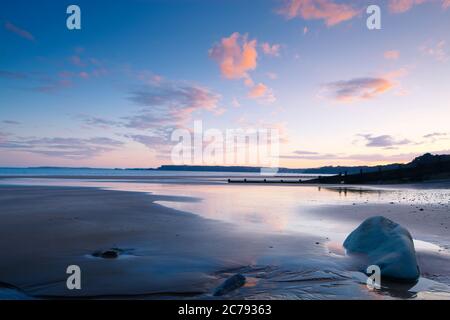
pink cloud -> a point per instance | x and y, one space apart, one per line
271 50
171 104
437 51
76 60
392 55
84 75
20 32
258 91
360 88
400 6
330 12
236 56
364 88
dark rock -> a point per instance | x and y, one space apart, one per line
108 254
233 283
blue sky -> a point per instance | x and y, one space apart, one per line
109 95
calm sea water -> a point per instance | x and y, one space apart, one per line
300 268
43 171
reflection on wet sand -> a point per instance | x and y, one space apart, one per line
274 235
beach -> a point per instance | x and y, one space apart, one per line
180 240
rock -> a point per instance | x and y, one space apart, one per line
233 283
387 245
108 254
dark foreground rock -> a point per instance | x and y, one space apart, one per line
233 283
108 254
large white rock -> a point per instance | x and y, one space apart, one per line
387 245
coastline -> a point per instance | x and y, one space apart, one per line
169 253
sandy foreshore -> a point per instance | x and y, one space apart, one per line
169 253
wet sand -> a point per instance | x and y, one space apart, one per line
170 253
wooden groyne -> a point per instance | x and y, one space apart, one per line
268 180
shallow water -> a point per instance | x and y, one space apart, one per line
321 273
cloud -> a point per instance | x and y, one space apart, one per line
53 85
331 12
76 61
303 152
271 50
13 122
20 32
69 148
170 104
392 55
40 82
371 157
435 135
152 142
437 51
84 75
401 6
262 92
3 136
384 141
236 56
235 103
92 121
258 91
364 88
358 89
12 75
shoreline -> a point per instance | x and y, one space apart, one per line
170 253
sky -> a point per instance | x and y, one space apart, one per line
112 93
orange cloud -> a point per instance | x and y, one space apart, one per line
258 91
392 55
261 92
271 50
236 56
330 12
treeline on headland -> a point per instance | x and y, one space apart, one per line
424 168
426 162
247 169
